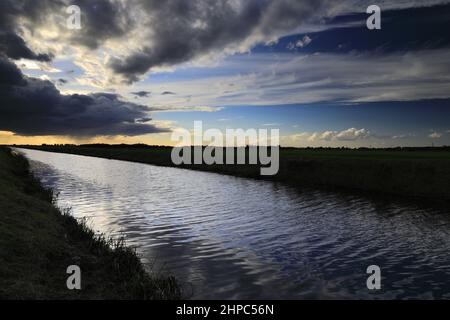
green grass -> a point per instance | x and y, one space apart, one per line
410 172
38 242
374 154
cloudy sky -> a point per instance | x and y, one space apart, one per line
139 69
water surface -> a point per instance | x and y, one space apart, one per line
225 237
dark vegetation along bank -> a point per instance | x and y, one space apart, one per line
412 172
38 242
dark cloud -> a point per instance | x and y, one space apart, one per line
180 30
144 120
102 20
15 47
141 94
10 75
165 93
30 106
12 13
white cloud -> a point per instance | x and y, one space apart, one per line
271 124
350 134
170 108
328 135
351 137
304 42
403 136
164 124
435 135
299 43
353 134
26 65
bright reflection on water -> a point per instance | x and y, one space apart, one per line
225 237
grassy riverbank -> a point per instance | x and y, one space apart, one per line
38 243
414 172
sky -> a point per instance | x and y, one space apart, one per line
138 70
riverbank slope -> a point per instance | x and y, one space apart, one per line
38 243
411 172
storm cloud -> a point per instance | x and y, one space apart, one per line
14 47
30 106
137 36
179 31
31 13
157 33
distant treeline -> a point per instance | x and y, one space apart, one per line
142 145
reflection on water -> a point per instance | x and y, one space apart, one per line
228 237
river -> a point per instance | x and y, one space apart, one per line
226 237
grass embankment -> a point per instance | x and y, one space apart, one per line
416 172
38 243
